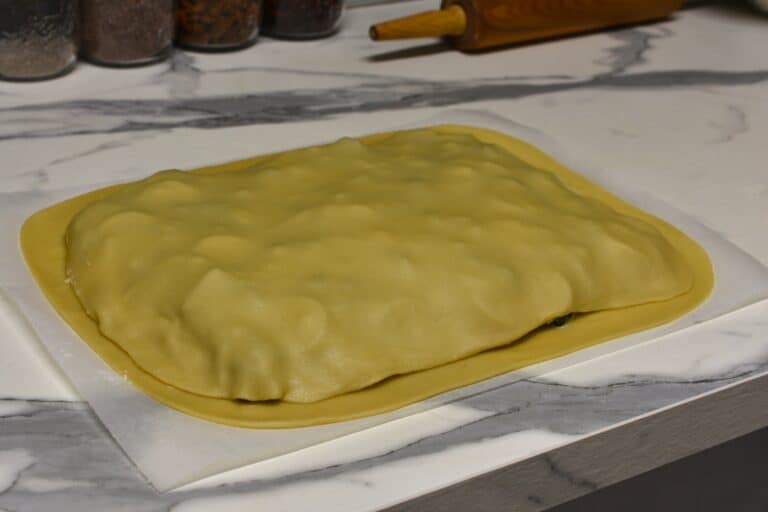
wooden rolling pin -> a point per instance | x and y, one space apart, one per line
479 24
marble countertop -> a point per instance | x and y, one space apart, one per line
679 107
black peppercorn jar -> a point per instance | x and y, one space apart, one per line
301 19
37 38
126 32
217 24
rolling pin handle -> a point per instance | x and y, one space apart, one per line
451 21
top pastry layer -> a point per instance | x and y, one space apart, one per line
327 269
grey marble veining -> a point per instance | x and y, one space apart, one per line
83 117
734 123
370 92
57 456
634 44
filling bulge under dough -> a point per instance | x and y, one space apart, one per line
327 269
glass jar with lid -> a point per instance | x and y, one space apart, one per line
37 38
126 32
302 19
217 24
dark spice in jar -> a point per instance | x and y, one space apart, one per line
217 24
126 32
37 38
301 19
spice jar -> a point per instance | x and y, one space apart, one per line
217 24
126 32
301 19
37 38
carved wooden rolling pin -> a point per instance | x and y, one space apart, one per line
478 24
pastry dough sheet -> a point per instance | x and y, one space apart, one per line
43 247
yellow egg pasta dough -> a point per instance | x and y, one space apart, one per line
344 280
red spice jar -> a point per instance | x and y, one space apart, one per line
217 24
302 19
126 32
